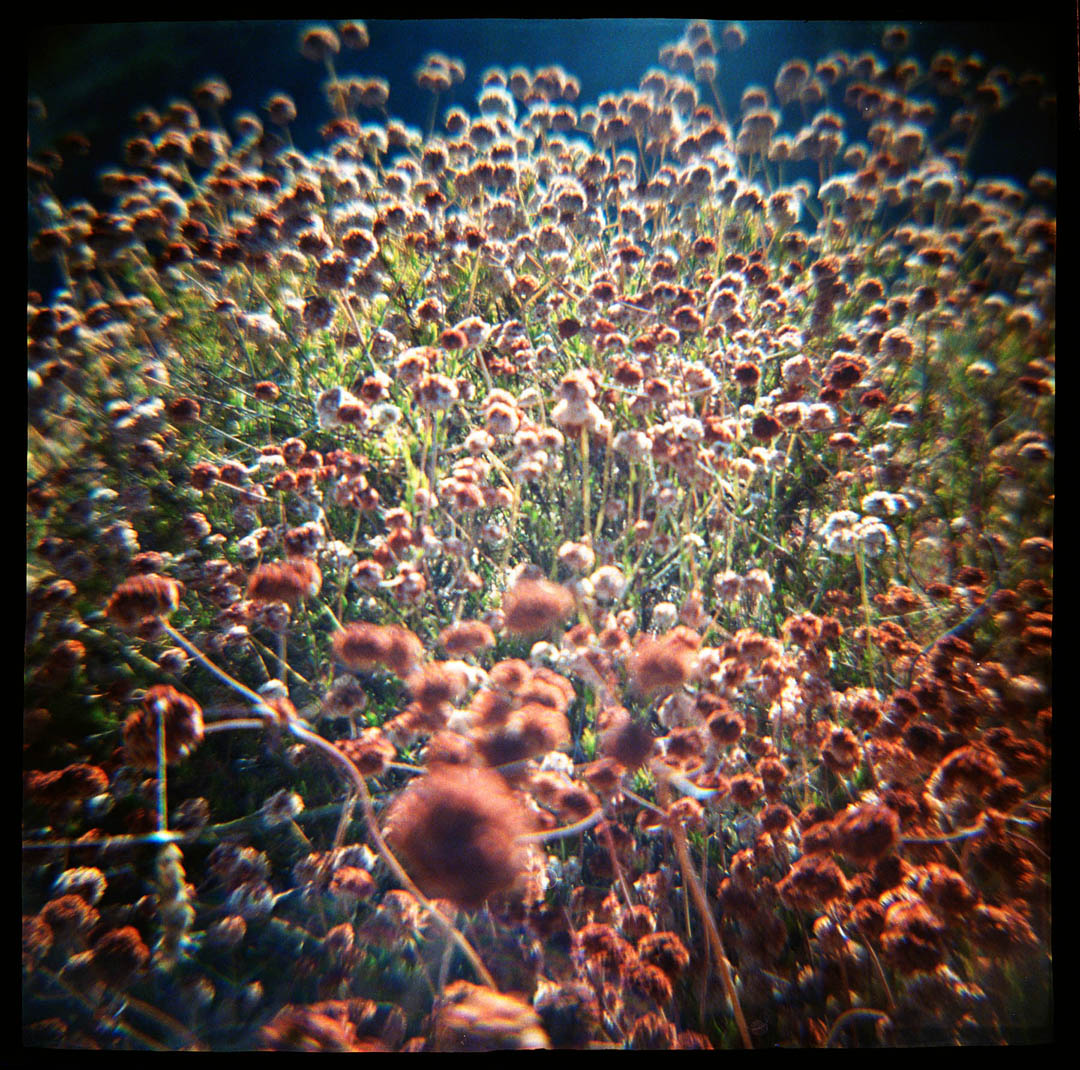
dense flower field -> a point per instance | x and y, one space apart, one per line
578 575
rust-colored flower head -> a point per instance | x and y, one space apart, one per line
812 882
944 889
841 752
725 725
527 732
653 1032
471 1018
70 918
59 786
627 740
546 688
534 606
318 1027
569 1013
1000 930
362 646
746 790
319 43
455 830
371 752
354 34
666 951
402 650
912 936
434 685
350 884
183 727
864 833
775 818
664 663
466 637
510 675
286 581
143 596
119 955
972 770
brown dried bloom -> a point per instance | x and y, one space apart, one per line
510 675
534 606
1000 931
527 732
183 727
77 781
666 951
628 741
865 833
435 685
972 769
371 752
455 829
569 1013
725 725
912 936
143 596
364 646
120 954
943 888
664 663
841 753
812 882
471 1018
313 1028
466 637
285 581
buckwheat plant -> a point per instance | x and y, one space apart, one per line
579 575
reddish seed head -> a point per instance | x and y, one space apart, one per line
184 410
534 606
527 732
289 581
725 725
370 753
628 741
364 646
466 637
319 43
765 428
70 917
865 833
746 374
143 596
435 685
664 663
455 830
120 954
78 781
912 936
812 882
183 727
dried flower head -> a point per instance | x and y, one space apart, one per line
287 581
466 637
865 833
119 955
364 646
143 596
534 606
470 1018
183 721
664 663
455 829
